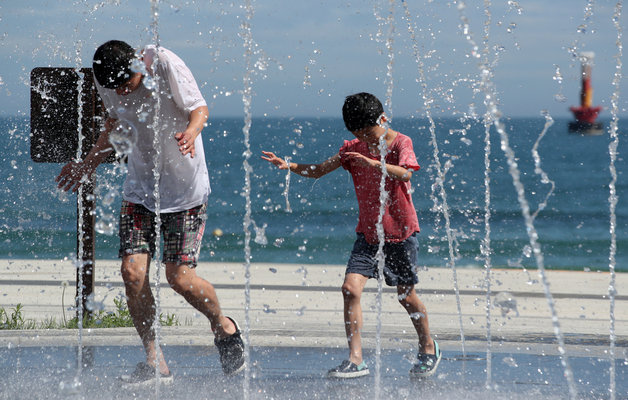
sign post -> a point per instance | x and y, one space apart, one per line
60 110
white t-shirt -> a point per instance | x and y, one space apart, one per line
183 181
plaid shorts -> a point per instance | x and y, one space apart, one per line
182 232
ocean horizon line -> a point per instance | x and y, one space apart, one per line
540 117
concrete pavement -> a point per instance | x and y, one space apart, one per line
301 305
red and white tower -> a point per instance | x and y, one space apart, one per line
586 114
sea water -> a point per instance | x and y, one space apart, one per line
39 221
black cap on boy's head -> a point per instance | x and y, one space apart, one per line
361 110
112 64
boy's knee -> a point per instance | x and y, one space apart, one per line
180 279
350 291
178 285
136 263
133 275
406 295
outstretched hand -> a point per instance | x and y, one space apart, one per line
272 158
72 175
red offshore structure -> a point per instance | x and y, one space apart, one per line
586 114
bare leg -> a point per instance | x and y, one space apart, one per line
418 315
201 295
352 293
141 305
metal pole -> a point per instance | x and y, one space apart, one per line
86 231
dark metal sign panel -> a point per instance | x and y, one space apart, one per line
55 113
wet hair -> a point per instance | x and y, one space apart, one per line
361 110
112 64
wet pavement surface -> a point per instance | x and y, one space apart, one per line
52 372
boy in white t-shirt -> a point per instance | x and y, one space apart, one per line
154 91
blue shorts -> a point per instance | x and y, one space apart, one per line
400 262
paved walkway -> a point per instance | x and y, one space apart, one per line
301 305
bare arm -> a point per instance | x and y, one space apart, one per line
394 171
74 173
306 170
196 123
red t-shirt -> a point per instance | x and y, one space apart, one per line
400 219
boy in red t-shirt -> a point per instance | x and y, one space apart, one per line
363 115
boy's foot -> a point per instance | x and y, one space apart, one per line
347 369
144 375
231 351
426 364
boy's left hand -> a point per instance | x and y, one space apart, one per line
185 141
361 159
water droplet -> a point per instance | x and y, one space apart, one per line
106 224
138 66
109 198
506 302
93 305
269 310
260 234
417 315
510 362
123 137
70 388
149 82
558 77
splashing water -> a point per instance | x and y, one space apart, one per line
123 137
108 191
391 58
106 223
380 257
485 246
286 189
80 261
537 164
156 127
613 198
383 195
574 49
492 108
558 77
440 173
246 101
260 234
506 302
307 78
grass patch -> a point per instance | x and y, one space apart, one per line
119 318
15 320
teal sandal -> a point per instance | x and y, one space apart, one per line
426 364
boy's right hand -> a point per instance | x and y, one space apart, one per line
272 158
72 175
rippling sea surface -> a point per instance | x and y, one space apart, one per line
39 221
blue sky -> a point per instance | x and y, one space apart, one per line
310 54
